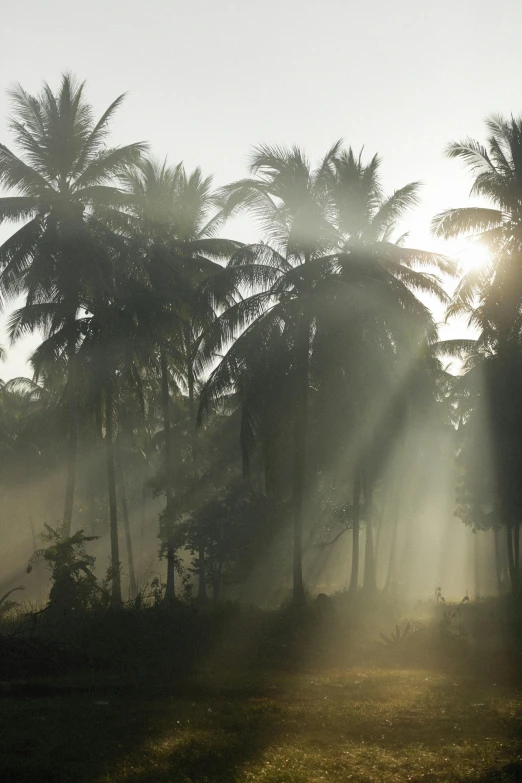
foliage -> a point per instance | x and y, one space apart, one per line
74 585
5 605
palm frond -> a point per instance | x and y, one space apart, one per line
465 220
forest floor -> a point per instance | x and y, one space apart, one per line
359 724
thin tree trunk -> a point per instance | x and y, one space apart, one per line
298 492
33 534
513 571
126 525
356 521
91 504
142 511
202 578
498 563
202 596
169 510
190 378
516 559
369 561
393 554
379 526
216 584
300 445
72 438
113 508
476 565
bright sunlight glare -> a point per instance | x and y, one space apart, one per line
473 256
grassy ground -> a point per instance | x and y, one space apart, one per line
361 724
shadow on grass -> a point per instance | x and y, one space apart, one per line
75 736
508 773
212 696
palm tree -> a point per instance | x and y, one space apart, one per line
367 223
497 173
286 283
491 298
112 359
62 186
176 218
489 456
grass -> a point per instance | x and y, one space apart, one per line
361 724
238 695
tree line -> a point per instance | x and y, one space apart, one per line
288 381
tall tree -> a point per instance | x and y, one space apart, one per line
491 298
384 337
176 219
63 184
283 281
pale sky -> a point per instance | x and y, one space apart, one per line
207 80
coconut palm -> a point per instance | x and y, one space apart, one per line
368 225
497 172
62 185
271 295
113 358
491 298
485 396
176 218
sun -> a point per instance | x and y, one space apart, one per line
473 256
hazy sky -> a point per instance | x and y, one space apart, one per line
207 80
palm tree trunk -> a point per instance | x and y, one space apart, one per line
512 563
356 521
113 509
498 562
516 559
216 589
298 492
202 580
91 504
300 445
393 555
369 561
33 534
202 576
126 525
190 377
379 526
142 511
476 565
72 438
169 510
